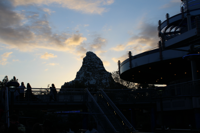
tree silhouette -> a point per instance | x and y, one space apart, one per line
117 79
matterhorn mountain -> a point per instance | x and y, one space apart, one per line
91 74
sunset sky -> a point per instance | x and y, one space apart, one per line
43 41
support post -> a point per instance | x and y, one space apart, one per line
167 17
130 56
189 24
119 67
160 49
7 108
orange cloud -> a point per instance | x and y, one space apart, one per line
119 47
4 58
75 40
47 56
52 64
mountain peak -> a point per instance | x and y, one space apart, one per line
92 72
90 53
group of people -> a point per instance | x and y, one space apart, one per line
19 93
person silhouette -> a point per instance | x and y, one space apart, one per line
21 90
29 92
54 92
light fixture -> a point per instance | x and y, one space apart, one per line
185 72
161 78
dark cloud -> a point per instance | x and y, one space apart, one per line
98 43
97 46
147 39
28 30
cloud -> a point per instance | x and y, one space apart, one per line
147 39
15 60
47 56
52 64
48 11
121 58
119 47
80 51
86 25
85 6
172 3
4 58
28 31
96 46
98 43
75 40
106 63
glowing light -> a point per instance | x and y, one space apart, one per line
197 70
149 67
170 63
139 71
174 74
161 78
185 72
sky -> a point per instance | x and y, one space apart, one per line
44 41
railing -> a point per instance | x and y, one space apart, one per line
44 96
99 114
190 88
129 96
127 123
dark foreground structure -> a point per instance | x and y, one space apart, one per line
175 63
174 108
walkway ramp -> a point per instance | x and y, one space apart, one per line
104 108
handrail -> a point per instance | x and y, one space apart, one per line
129 125
183 83
101 111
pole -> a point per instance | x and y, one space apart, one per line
193 63
7 108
